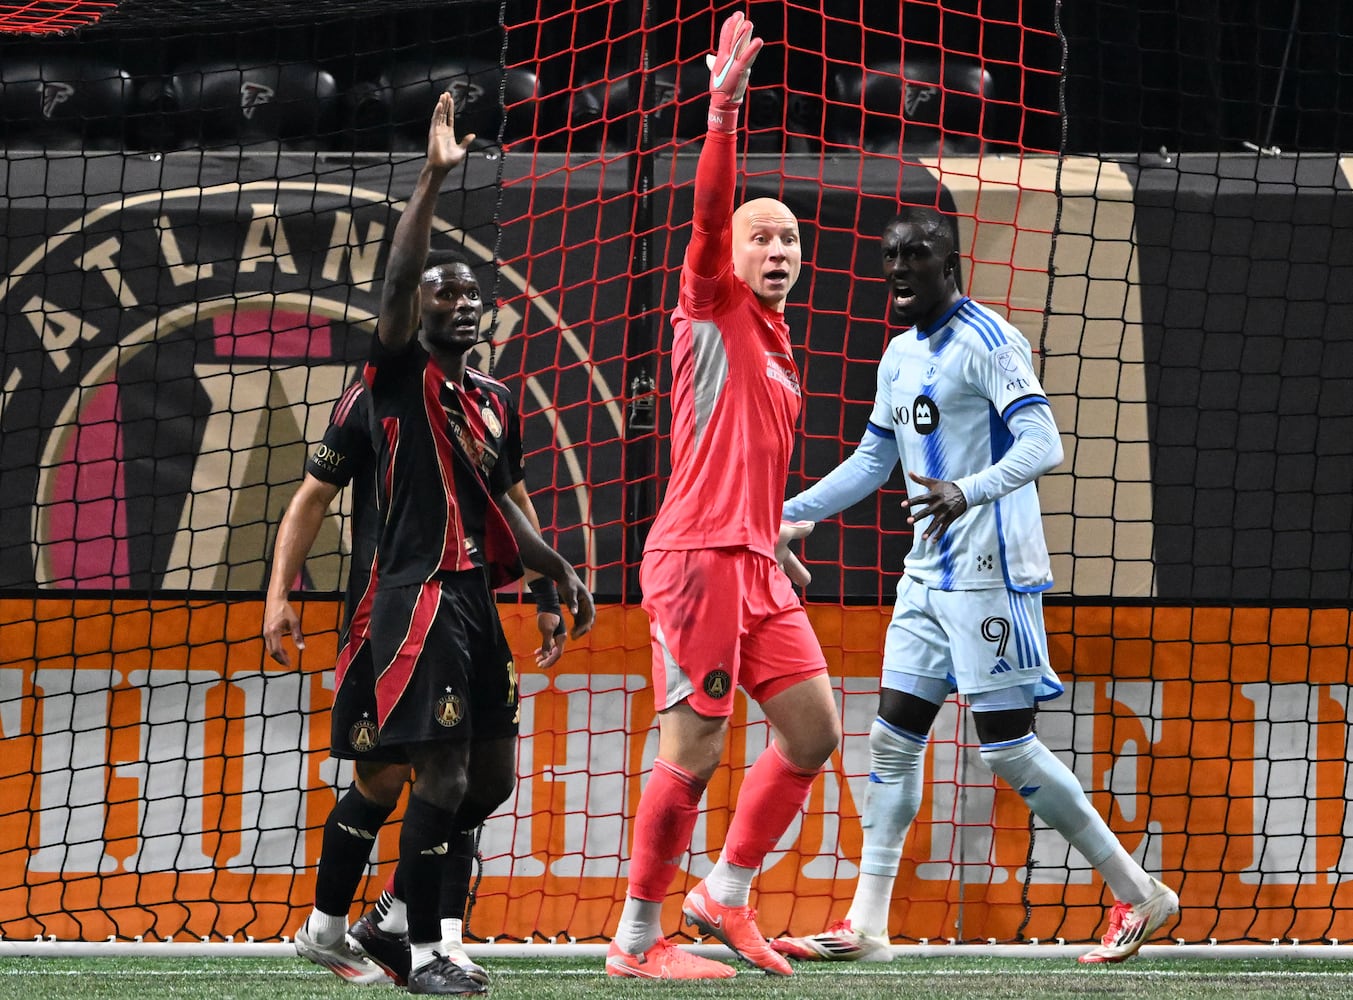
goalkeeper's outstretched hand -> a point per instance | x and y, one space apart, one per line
729 69
792 531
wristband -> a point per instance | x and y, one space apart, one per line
546 595
723 114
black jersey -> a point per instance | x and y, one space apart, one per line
345 456
444 450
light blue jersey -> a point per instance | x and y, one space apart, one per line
944 396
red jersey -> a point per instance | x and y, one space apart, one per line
735 389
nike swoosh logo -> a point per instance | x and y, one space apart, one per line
720 75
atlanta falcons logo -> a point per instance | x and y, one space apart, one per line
54 94
916 95
252 95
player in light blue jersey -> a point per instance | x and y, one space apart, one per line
960 405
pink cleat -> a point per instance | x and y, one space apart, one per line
664 961
736 927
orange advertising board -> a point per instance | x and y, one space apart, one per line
161 777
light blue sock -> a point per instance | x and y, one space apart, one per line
891 801
1057 798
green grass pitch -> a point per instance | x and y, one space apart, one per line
958 978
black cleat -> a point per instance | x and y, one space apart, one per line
389 951
443 977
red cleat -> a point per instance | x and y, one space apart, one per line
736 927
664 961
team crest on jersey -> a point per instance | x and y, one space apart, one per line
718 683
449 710
925 415
363 735
491 421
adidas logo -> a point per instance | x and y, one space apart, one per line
1001 667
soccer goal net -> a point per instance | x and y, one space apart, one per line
198 205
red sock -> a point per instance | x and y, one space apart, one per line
668 808
772 794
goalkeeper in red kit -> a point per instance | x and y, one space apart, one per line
721 611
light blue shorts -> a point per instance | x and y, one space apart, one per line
970 641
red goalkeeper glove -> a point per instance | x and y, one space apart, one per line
729 69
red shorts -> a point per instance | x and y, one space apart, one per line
721 618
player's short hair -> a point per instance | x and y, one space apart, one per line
445 258
939 226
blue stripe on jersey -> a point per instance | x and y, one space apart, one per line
936 467
943 321
992 335
882 432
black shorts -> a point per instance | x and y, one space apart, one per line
443 669
353 733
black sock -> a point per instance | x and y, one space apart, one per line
456 873
422 856
349 834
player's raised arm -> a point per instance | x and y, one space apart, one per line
409 247
708 254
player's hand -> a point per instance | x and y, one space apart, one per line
791 531
943 503
574 596
279 620
730 66
444 149
552 639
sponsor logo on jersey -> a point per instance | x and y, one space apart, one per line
925 415
780 368
327 458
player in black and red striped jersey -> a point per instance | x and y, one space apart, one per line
446 688
345 455
444 444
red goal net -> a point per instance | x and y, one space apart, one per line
196 219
